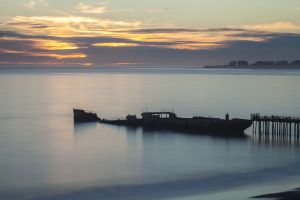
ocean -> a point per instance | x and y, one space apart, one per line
43 155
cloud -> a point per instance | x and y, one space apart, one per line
95 41
51 55
181 30
131 32
276 26
42 63
32 4
161 30
64 25
157 10
55 45
20 49
115 44
91 9
60 56
193 39
280 46
128 34
11 34
40 43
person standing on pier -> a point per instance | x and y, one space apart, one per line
227 116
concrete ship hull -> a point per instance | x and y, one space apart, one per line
81 116
216 126
169 121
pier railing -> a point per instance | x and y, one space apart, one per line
276 125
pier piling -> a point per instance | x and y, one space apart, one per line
277 126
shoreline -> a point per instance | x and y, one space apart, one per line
287 195
148 71
242 185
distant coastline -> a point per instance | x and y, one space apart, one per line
242 64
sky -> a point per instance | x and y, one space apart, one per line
147 33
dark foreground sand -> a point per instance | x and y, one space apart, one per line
289 195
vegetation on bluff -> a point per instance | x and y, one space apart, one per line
283 64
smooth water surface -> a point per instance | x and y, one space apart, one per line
43 155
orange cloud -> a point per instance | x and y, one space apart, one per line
47 63
9 51
70 26
42 54
115 44
55 45
61 56
45 44
276 26
64 26
190 39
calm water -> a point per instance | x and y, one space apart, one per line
44 156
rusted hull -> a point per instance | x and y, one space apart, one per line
80 116
216 126
152 121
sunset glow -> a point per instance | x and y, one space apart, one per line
83 30
112 44
55 45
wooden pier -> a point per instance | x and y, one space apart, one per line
276 126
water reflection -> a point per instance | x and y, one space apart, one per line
82 128
151 131
139 134
276 141
121 154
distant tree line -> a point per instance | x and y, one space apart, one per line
259 64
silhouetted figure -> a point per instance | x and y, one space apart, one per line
227 116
